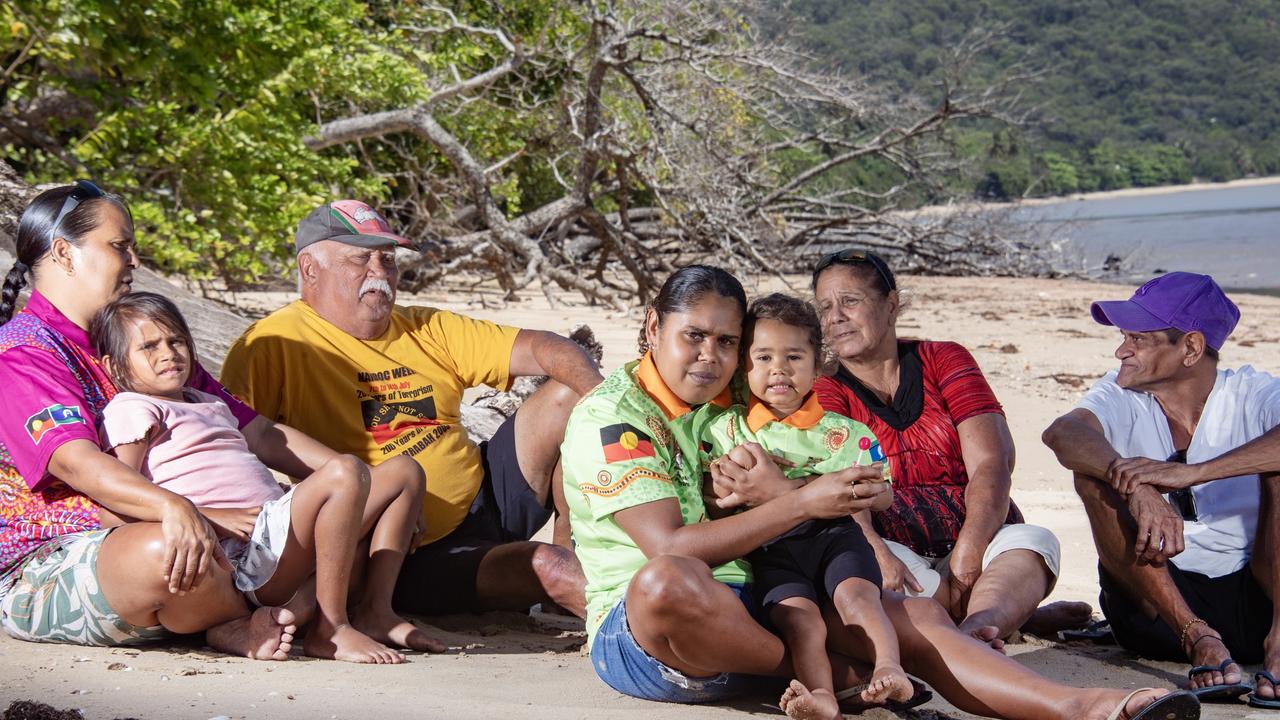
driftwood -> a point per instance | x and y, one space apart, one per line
215 327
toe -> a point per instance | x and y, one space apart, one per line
1265 689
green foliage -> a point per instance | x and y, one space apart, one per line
196 112
1138 93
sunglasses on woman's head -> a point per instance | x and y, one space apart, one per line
852 256
84 190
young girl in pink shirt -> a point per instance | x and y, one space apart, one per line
188 442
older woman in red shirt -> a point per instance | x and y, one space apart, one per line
952 531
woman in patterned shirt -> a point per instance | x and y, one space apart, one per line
91 551
952 532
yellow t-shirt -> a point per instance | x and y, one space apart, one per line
399 394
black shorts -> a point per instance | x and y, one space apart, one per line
824 555
440 578
1234 605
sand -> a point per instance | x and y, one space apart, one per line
1034 340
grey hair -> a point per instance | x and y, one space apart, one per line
319 257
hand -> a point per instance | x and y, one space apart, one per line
843 493
963 571
190 545
748 476
1159 534
419 531
894 572
232 522
1126 474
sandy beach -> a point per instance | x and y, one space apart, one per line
1040 351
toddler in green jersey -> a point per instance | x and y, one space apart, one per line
818 562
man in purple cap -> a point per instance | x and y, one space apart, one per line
365 376
1178 464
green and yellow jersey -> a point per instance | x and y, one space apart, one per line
812 440
629 442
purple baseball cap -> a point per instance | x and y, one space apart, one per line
1179 300
347 221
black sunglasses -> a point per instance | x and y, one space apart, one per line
84 190
852 256
1183 500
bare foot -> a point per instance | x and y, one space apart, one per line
1047 620
391 629
349 645
303 603
267 634
888 683
800 704
985 634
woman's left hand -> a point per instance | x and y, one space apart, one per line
747 476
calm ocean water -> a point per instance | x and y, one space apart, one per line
1232 234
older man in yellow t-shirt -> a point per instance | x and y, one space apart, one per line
365 376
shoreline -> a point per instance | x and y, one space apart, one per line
972 205
1148 191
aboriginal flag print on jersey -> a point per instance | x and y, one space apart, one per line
625 442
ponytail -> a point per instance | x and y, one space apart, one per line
13 284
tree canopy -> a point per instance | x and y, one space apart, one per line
589 146
1137 93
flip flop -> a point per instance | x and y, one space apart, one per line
1272 703
1097 632
851 703
1218 693
1179 705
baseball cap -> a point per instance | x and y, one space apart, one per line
1180 300
347 221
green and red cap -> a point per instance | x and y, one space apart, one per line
347 221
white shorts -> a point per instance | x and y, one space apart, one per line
1010 537
254 562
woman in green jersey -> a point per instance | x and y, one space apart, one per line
670 615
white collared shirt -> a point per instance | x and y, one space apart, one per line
1243 405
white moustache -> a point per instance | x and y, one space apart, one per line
376 285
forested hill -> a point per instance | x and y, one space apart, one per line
1139 93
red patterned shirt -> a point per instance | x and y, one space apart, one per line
940 387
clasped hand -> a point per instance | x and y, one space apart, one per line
1158 535
1126 474
749 476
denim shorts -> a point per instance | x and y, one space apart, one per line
624 666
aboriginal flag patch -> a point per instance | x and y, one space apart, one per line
624 442
51 417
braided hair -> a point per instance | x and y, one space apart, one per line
42 221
